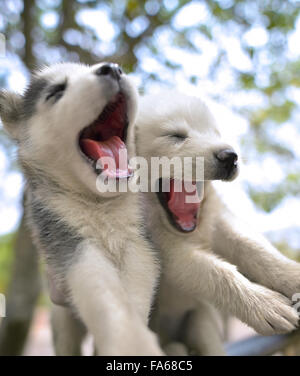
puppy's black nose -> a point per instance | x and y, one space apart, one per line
110 69
228 160
227 156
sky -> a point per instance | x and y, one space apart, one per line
264 174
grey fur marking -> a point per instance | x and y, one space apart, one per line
59 241
10 107
32 95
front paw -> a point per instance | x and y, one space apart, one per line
272 312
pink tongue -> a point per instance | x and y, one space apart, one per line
184 210
112 154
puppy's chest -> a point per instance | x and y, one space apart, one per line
107 227
120 236
114 227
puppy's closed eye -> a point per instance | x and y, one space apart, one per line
56 92
178 137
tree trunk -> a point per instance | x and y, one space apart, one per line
25 284
22 295
28 23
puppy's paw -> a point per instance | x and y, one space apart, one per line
272 312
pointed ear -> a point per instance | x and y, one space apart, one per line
11 111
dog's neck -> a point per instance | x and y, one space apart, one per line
51 193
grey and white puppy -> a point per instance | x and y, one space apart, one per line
208 255
98 259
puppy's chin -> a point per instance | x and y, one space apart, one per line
171 227
220 174
233 175
90 186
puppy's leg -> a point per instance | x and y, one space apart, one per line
255 257
103 304
202 331
204 276
67 332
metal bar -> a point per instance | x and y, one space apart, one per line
261 346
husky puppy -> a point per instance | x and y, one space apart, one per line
208 255
97 257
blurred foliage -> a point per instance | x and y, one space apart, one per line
136 29
7 243
6 259
268 200
284 248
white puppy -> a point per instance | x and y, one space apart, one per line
70 116
208 255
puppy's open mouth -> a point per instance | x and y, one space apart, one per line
103 142
182 208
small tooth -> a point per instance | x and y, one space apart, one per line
98 170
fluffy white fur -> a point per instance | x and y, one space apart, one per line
222 262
